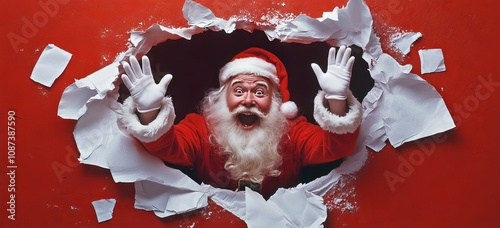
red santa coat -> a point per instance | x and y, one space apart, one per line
187 144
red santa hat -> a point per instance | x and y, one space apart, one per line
260 62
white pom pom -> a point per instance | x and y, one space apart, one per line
289 109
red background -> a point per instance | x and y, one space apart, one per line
454 185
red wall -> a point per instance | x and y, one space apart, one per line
455 185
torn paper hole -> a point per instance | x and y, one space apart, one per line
50 65
104 209
343 26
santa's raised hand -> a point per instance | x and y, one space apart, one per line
335 81
145 93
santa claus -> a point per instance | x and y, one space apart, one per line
248 133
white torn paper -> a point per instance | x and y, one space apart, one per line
401 107
104 209
50 65
431 60
399 91
103 143
167 200
75 98
286 208
404 41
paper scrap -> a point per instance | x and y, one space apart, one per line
404 41
431 60
50 65
104 209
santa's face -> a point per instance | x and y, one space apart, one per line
247 126
249 98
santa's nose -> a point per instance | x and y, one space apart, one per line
248 100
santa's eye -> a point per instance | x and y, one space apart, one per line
259 92
238 91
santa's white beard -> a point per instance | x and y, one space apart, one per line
253 153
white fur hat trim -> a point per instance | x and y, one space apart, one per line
249 65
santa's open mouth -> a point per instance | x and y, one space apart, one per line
247 120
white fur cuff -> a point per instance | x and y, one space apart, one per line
334 123
155 129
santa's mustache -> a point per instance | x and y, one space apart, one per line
246 110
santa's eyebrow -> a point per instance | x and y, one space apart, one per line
261 83
236 81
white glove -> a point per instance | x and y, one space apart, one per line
335 81
146 94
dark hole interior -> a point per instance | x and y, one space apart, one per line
195 64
